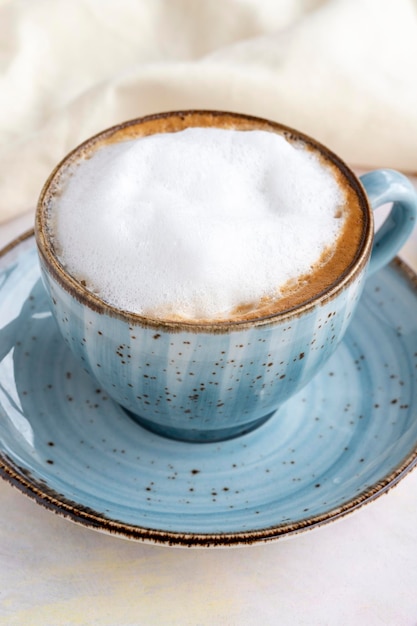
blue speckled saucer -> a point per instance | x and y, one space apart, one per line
342 441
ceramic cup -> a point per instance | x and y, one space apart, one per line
211 381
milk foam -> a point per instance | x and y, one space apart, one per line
196 222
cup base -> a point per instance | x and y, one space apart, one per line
196 435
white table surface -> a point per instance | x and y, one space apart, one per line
361 570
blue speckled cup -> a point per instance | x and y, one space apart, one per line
212 381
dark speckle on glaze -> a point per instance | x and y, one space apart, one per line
355 450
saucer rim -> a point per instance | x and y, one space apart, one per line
84 516
22 479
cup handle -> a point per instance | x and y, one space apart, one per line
382 187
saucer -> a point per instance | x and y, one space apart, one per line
342 441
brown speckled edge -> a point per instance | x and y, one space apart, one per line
22 479
15 242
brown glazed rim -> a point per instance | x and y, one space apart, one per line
87 298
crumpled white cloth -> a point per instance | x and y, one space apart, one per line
342 71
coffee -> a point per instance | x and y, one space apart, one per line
203 221
198 374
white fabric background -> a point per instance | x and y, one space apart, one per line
340 70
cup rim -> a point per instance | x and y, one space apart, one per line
54 267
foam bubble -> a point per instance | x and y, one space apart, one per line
197 222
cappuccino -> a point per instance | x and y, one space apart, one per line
203 223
